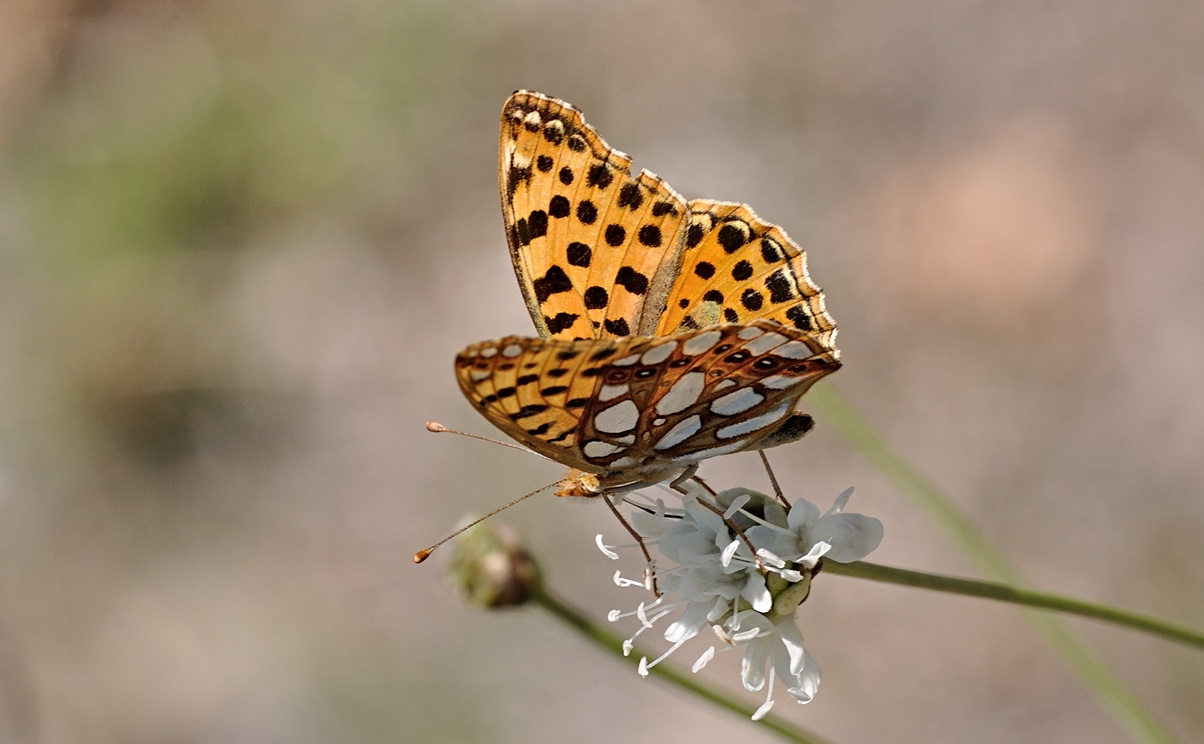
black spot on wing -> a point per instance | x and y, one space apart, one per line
559 207
617 327
596 298
650 235
752 299
630 196
528 410
631 280
537 223
579 254
662 208
800 318
561 322
731 238
780 289
553 282
771 251
599 176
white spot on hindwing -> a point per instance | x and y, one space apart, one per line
488 351
619 418
658 353
626 361
682 395
610 392
753 424
780 382
794 350
512 350
759 346
748 333
712 452
682 431
596 448
737 402
700 343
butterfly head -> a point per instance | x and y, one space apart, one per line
580 484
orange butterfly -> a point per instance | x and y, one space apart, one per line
671 331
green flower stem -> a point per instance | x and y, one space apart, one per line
1119 701
613 643
1004 593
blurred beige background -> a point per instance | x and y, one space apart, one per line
241 243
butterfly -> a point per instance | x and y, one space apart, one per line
670 331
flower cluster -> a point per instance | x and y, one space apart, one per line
742 564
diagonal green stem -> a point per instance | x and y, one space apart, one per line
1004 593
613 643
1122 704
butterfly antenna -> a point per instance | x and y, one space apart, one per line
422 555
438 428
773 479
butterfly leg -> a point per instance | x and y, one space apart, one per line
650 570
686 475
773 480
730 524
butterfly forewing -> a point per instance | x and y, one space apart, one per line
641 406
532 389
587 238
600 252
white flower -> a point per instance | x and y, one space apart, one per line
747 598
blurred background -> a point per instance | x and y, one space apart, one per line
240 244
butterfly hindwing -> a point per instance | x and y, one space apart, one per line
644 405
698 394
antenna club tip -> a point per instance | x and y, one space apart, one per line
422 555
435 426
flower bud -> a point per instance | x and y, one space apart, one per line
493 567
